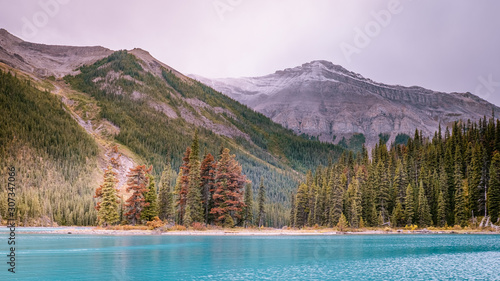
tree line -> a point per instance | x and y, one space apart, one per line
207 191
446 180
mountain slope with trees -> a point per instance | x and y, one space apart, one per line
450 179
134 110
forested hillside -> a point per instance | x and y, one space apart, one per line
151 112
157 117
450 179
54 157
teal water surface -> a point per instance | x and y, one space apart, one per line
338 257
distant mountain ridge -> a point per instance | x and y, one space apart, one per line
325 100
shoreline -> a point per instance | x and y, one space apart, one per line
74 230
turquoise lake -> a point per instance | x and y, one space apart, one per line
338 257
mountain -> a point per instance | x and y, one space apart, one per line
88 106
44 60
327 101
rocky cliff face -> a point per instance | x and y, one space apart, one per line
46 60
330 102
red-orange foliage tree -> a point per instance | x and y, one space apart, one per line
137 182
98 195
183 187
228 196
207 177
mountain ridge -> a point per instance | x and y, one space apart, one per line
327 101
46 60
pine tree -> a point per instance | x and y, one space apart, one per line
424 214
461 210
208 166
443 186
458 179
435 189
122 208
342 224
262 201
336 200
335 207
248 209
354 203
292 212
383 189
450 177
108 207
398 215
194 210
369 198
474 180
380 219
302 205
137 184
328 203
354 215
373 218
165 202
228 195
441 210
178 213
313 194
182 187
321 201
410 205
151 202
400 180
493 198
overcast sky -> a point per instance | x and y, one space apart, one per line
445 45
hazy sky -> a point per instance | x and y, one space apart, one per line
446 45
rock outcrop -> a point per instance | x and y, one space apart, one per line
46 60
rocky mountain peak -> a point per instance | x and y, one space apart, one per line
46 60
325 100
5 37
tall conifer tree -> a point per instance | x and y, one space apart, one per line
248 209
137 183
424 214
165 198
302 205
194 211
292 212
262 201
441 210
108 207
207 178
410 205
151 199
182 187
461 208
228 195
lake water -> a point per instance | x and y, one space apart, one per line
340 257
